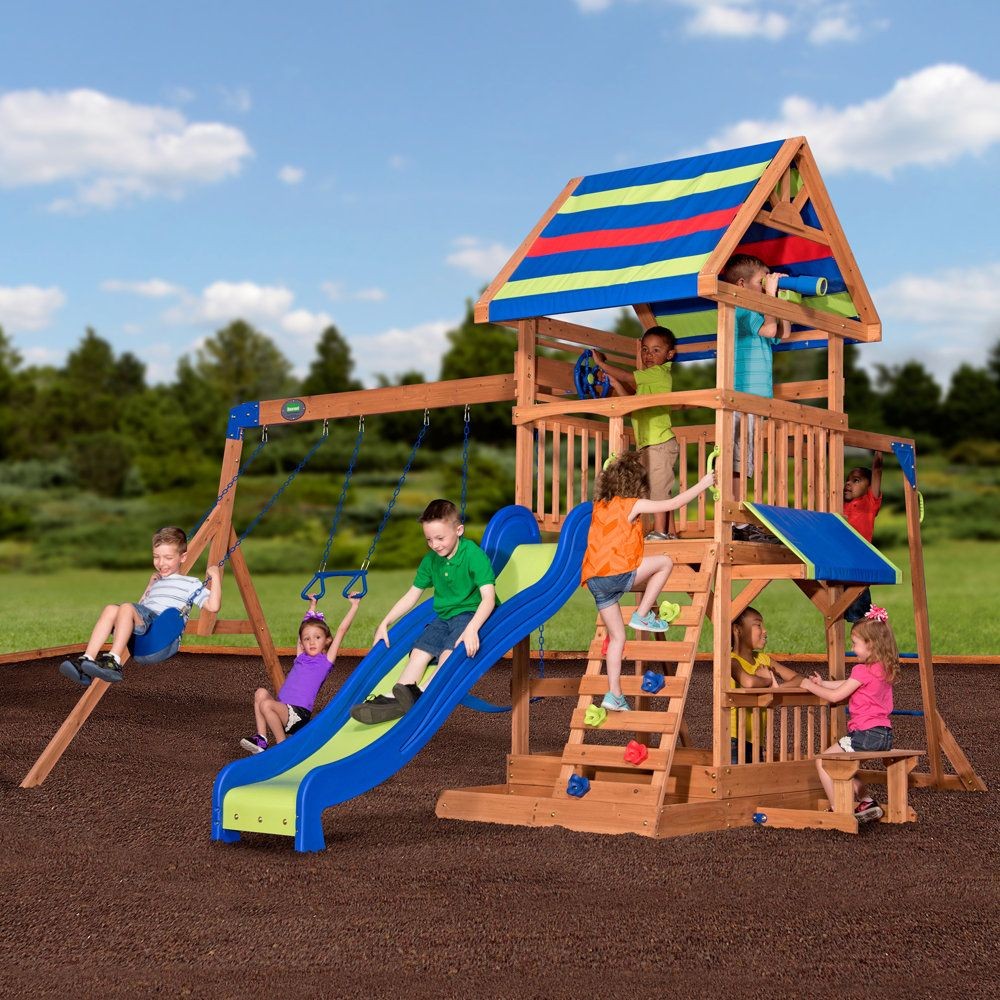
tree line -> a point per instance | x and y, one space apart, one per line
95 421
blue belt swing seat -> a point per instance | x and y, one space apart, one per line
162 639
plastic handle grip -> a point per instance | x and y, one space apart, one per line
709 466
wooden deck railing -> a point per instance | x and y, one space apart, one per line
783 725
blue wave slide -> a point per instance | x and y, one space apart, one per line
284 790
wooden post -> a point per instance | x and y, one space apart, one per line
923 629
256 615
524 375
49 757
520 697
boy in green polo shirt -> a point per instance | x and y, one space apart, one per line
464 597
654 436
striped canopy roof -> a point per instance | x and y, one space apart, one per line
640 237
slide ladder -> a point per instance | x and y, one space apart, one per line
658 719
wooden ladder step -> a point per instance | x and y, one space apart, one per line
625 722
674 687
668 651
585 754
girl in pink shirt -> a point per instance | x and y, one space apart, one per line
292 709
868 692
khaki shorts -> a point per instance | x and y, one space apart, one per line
660 460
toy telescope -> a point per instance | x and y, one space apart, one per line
804 284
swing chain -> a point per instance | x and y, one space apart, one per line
232 482
395 494
274 499
465 461
343 494
541 650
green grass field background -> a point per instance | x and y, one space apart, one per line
53 609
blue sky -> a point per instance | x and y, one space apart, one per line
165 169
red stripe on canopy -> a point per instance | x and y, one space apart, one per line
785 250
603 238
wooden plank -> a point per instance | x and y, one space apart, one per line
486 806
673 687
832 324
394 399
532 769
806 819
598 756
639 722
256 615
754 203
842 253
520 686
57 746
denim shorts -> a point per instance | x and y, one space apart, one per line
441 634
147 617
877 738
608 590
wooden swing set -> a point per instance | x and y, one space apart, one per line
656 239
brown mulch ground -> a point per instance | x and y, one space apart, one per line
111 886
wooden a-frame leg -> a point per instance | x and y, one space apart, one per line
49 757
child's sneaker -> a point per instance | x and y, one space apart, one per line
380 708
648 622
867 810
74 671
256 744
406 695
658 536
615 703
107 668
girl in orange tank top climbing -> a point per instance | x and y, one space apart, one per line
614 563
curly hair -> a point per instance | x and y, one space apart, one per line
882 643
624 477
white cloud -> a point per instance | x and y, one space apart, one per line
734 19
291 175
237 99
111 150
730 20
480 259
931 118
337 291
229 300
398 161
305 324
28 307
401 349
153 288
942 320
834 29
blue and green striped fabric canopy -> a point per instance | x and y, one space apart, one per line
640 237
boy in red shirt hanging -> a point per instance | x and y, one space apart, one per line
862 501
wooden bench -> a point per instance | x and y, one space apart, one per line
843 768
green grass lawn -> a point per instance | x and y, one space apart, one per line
41 610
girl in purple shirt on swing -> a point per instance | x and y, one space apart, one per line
317 652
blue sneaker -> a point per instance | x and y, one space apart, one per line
74 671
107 668
648 622
615 703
